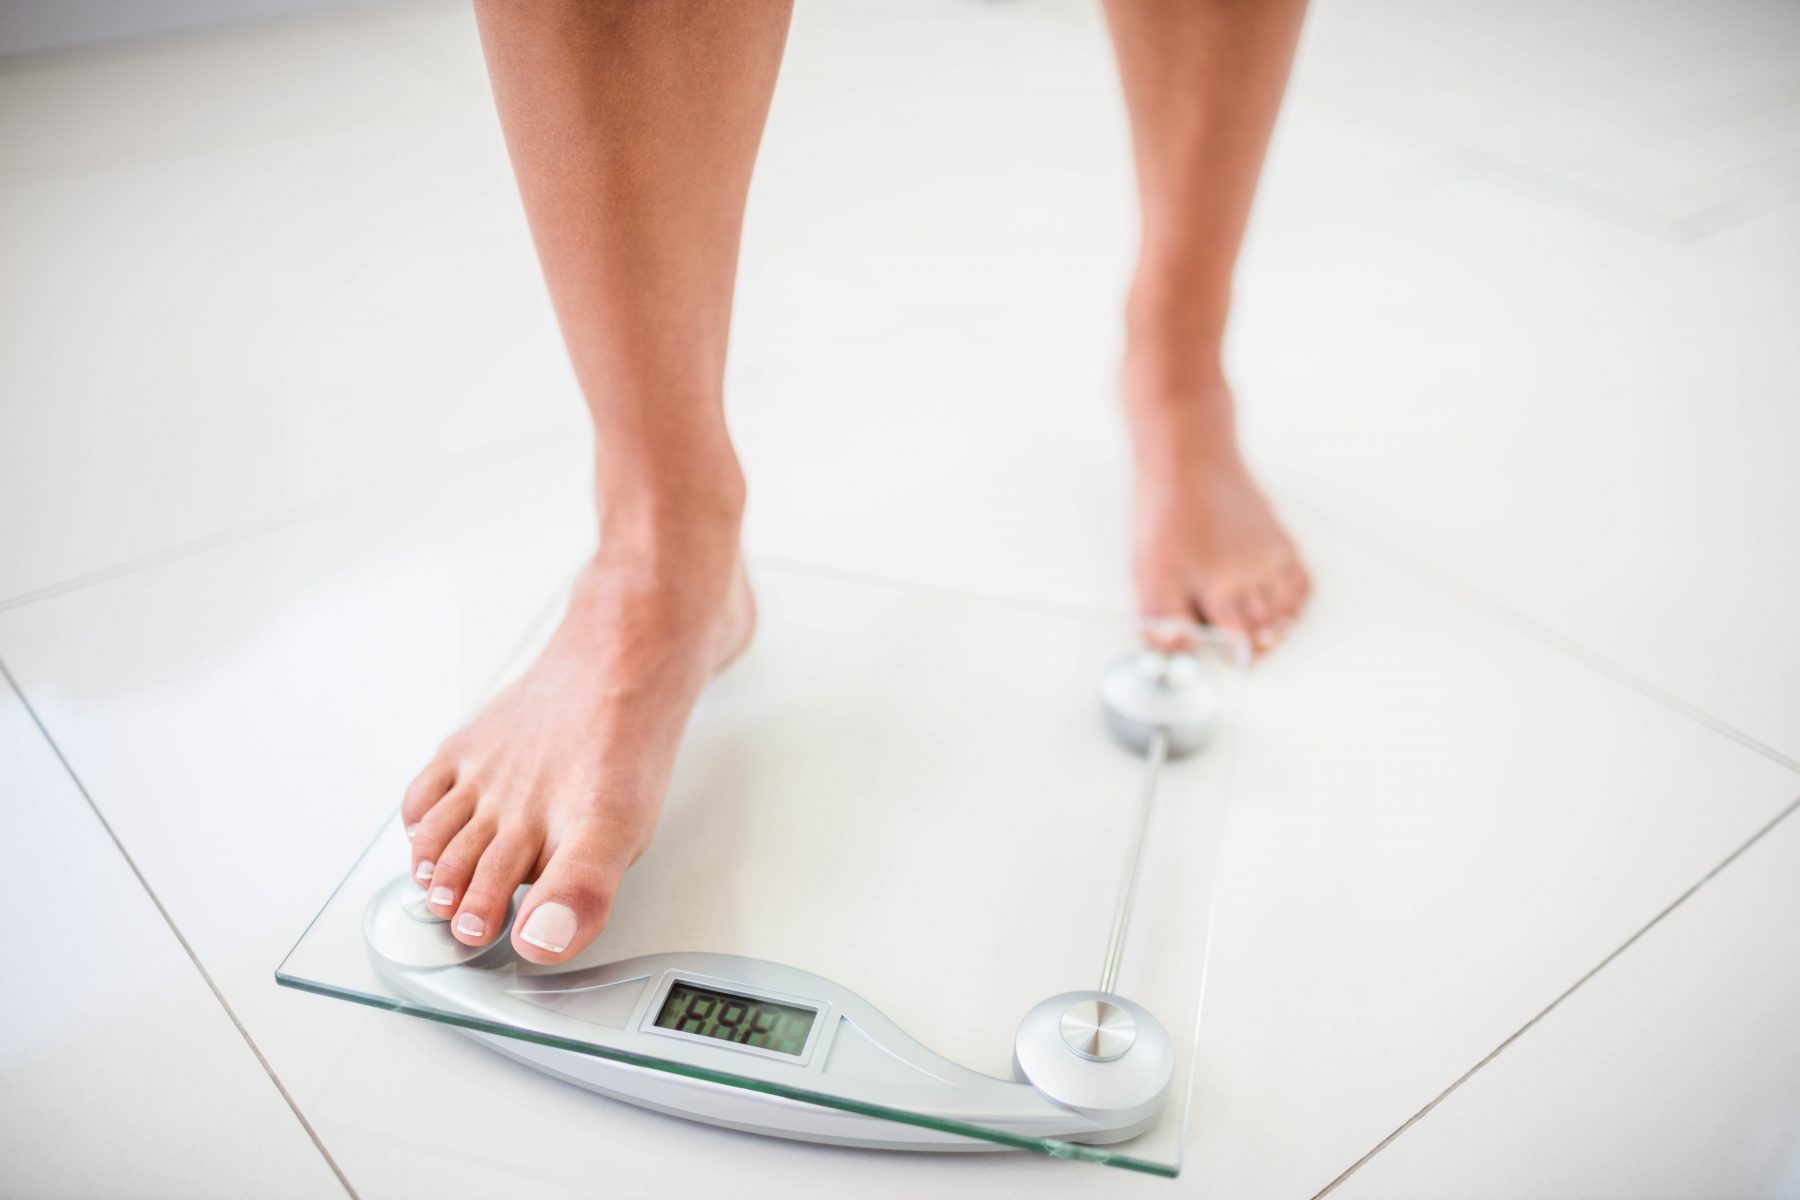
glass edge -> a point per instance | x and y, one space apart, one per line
1237 678
1049 1147
1189 1104
339 886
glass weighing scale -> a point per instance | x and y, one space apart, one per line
851 929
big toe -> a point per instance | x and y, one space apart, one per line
569 904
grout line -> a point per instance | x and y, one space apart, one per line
1539 183
169 920
469 463
1531 181
1739 210
1522 1030
1540 631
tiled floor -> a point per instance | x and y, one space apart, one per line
292 468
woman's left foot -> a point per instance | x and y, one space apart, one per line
1206 542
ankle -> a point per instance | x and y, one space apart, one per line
693 492
1179 296
1178 407
680 537
1174 354
1167 380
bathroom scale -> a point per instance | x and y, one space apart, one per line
934 874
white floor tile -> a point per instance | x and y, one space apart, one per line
374 629
1673 1072
1441 824
1521 377
123 1074
193 341
1669 119
1589 430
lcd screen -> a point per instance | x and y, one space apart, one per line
743 1020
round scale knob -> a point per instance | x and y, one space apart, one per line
1172 693
1098 1029
419 910
400 929
1099 1054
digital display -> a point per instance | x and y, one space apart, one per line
744 1020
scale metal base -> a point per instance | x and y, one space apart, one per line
849 1048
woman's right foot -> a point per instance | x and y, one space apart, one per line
560 778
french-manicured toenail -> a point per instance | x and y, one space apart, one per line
442 895
422 872
411 830
550 927
470 925
1265 637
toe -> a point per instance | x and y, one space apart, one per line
568 905
1167 607
1221 606
504 865
456 865
424 791
437 829
1298 585
1286 592
1252 602
1161 596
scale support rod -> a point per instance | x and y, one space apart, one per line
1157 754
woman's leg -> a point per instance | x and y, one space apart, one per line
1203 80
632 128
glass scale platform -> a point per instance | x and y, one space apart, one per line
891 900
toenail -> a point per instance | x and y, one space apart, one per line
422 872
470 925
442 895
411 830
550 927
1265 637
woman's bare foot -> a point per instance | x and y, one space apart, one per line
560 778
1206 542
